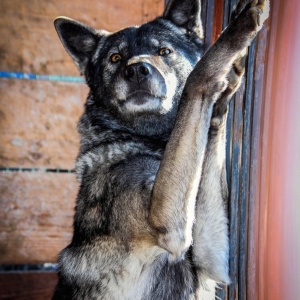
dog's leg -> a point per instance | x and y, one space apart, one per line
210 234
177 181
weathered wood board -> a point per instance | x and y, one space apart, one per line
27 285
36 215
29 42
38 130
38 122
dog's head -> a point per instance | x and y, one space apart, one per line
138 72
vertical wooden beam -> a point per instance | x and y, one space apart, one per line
218 19
245 178
253 243
235 204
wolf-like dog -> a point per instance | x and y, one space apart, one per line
150 220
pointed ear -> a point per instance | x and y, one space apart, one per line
79 40
185 13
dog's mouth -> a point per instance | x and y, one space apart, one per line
142 101
140 97
145 96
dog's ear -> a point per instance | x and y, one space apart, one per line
79 40
185 13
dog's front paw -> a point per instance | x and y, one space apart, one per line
251 14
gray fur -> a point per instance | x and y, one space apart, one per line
150 220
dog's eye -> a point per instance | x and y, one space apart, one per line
116 57
164 51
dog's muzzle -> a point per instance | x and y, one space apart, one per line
144 77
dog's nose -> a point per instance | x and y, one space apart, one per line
137 72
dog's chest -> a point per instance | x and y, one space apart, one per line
137 276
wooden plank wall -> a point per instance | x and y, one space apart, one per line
38 137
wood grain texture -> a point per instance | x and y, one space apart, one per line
255 172
29 42
27 285
38 123
245 178
36 215
218 19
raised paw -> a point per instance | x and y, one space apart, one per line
234 79
251 14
